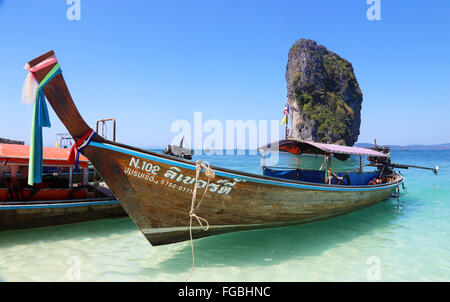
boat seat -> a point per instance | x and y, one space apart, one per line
294 174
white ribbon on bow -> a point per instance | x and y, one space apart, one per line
30 84
29 87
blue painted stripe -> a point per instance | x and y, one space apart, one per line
59 205
232 175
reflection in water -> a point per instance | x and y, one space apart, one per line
283 244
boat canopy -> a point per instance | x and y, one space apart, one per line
295 146
19 154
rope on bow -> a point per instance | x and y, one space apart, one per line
199 165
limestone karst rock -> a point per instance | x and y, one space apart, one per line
323 95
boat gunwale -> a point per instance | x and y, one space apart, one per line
16 202
14 205
191 166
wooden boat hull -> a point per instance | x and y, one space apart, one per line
29 214
152 191
156 192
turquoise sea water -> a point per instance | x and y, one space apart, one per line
391 241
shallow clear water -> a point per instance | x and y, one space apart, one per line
391 241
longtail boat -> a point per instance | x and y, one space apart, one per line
155 189
58 199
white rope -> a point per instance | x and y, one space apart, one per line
210 175
323 164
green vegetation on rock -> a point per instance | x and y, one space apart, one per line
325 89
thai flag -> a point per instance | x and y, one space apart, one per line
286 109
285 112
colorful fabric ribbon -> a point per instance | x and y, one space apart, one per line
29 86
78 147
40 119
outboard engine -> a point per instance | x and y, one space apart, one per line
382 163
385 165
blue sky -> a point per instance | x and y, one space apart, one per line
149 63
